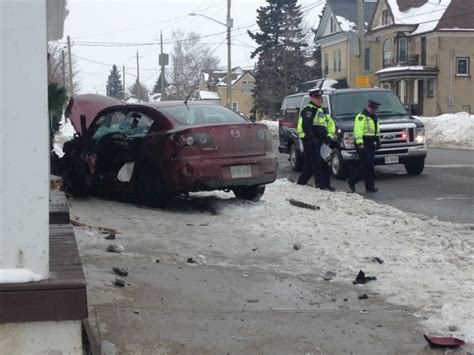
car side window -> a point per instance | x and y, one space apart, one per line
108 123
135 125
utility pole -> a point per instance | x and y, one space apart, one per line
123 74
138 79
163 60
361 29
229 62
70 64
63 67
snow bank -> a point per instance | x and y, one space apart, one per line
272 126
427 263
450 130
12 276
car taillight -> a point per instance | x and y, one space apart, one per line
195 138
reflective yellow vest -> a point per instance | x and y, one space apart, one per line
319 119
364 126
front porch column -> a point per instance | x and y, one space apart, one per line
24 142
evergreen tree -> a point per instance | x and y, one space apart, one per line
157 87
114 84
142 95
280 52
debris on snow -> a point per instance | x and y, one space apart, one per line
363 296
111 236
362 279
119 282
297 246
120 271
191 260
328 276
444 342
377 259
252 300
115 248
302 204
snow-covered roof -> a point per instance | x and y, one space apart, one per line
400 68
208 95
346 25
425 16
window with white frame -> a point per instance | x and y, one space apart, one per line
402 50
430 91
387 54
386 18
462 66
333 25
247 87
337 61
235 105
326 64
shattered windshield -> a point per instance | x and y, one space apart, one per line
202 114
345 106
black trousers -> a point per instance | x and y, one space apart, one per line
309 166
314 165
365 166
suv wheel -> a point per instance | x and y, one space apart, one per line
252 193
296 158
415 167
338 168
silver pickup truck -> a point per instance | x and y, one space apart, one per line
402 136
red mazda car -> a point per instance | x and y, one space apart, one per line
156 150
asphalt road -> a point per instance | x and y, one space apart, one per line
444 190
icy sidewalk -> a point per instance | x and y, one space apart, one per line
427 264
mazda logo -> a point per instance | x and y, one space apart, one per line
235 133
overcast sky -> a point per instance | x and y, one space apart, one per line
101 33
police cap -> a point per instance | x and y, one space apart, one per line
315 93
373 104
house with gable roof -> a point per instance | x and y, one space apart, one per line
213 86
337 35
424 53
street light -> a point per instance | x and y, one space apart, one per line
229 63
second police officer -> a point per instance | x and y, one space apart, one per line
315 127
367 141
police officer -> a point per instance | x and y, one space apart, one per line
315 128
367 141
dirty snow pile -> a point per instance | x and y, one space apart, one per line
272 126
450 130
427 263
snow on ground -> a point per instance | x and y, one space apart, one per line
427 263
450 130
66 132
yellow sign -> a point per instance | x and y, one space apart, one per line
362 81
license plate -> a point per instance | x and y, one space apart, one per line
240 171
391 160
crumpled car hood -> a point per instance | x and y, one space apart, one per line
89 105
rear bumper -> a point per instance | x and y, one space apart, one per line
212 174
404 154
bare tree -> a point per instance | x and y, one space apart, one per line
142 95
189 56
58 71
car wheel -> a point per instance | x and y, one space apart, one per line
149 188
338 168
296 158
251 193
415 167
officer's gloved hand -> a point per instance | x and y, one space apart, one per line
360 146
327 140
333 144
377 143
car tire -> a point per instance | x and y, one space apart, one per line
415 167
296 158
250 193
337 165
149 188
